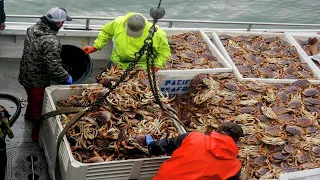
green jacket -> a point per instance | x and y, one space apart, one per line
126 46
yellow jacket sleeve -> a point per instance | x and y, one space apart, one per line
163 49
106 34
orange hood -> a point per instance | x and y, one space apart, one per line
221 146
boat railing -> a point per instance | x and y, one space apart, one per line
171 22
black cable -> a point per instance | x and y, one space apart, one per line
17 102
159 3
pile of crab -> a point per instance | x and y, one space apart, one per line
280 122
258 57
190 51
306 47
116 130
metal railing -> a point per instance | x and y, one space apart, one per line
176 21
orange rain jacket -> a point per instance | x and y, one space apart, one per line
198 157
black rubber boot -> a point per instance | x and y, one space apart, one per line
3 159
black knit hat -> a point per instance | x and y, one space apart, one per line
231 129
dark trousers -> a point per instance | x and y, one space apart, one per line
3 159
34 109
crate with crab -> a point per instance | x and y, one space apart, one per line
280 122
192 53
304 45
108 142
265 57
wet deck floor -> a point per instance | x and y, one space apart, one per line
22 146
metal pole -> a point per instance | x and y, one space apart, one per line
249 27
32 167
87 23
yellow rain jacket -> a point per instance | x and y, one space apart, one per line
126 46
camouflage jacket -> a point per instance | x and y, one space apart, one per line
2 14
41 62
4 124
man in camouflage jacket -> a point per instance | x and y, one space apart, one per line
41 62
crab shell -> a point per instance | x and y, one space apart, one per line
107 81
273 130
304 122
311 101
285 118
282 96
103 117
231 86
316 151
239 38
262 171
310 92
284 43
260 160
277 157
248 110
289 149
95 160
292 139
294 130
302 158
311 130
295 104
290 76
224 37
279 110
292 89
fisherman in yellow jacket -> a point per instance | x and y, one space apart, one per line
128 33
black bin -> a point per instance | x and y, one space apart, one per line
76 62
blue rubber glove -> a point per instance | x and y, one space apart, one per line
149 139
69 80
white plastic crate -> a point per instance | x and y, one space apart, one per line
176 82
70 169
284 36
310 174
303 37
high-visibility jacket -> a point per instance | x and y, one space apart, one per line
126 46
199 157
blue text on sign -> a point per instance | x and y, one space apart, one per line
174 89
177 82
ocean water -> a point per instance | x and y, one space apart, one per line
282 11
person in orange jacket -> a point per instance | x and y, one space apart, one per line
199 156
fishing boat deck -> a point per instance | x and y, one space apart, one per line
11 45
21 146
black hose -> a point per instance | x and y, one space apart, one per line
15 116
159 4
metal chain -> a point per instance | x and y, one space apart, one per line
138 55
151 75
147 46
153 84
